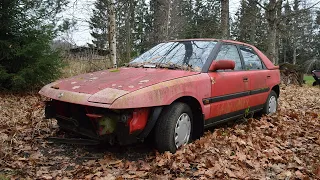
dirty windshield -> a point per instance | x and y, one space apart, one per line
190 55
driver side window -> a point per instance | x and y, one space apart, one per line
230 52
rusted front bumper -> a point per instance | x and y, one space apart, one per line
102 124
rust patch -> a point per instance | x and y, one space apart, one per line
55 87
213 81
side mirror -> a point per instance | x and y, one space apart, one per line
222 65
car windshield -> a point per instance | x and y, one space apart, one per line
186 55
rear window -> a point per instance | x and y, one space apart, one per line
251 59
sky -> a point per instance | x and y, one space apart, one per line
81 10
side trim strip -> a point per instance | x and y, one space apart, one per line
233 115
233 96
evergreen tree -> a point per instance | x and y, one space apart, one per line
142 27
26 58
250 25
99 25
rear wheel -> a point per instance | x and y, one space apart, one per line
271 105
315 83
174 127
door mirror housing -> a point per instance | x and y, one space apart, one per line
222 65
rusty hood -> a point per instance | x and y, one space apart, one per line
108 85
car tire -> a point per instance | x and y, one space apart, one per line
271 105
173 128
315 83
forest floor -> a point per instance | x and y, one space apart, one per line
283 146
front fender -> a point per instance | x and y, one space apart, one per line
164 93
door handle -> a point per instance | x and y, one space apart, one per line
245 79
268 77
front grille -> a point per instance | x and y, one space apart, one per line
73 115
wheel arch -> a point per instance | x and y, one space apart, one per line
276 89
198 117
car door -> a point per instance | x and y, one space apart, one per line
230 88
258 76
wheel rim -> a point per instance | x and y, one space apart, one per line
272 105
182 130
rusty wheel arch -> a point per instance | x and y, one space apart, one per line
198 117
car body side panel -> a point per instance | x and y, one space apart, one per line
258 87
164 93
226 86
261 83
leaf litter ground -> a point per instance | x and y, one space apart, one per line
283 146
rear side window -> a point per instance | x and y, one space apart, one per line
251 60
230 52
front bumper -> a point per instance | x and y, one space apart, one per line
101 124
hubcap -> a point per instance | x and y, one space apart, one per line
182 130
272 105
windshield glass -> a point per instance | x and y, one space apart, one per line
181 55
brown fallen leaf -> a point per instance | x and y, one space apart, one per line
230 173
284 175
317 171
299 174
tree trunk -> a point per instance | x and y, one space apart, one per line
272 39
161 20
294 55
129 18
273 13
112 33
225 19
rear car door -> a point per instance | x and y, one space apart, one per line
258 76
230 88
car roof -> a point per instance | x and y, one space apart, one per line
211 39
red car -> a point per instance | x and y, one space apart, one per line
174 91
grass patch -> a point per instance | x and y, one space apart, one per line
75 67
308 79
3 177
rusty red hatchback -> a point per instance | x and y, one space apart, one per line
171 92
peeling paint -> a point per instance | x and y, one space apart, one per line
131 86
75 87
113 85
93 78
144 81
73 82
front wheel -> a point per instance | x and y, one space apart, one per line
174 127
271 105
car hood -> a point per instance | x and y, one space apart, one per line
108 85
